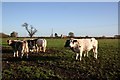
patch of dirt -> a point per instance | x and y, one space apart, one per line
45 60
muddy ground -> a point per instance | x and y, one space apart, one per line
56 64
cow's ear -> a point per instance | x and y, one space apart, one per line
74 41
8 41
24 41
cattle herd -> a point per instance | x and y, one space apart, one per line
26 46
21 47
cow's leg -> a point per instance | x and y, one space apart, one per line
27 55
87 53
17 53
77 56
80 55
22 53
14 54
84 54
37 49
95 52
40 49
27 50
44 48
95 55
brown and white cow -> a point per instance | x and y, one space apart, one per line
19 46
32 45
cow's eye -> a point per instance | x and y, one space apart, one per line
79 46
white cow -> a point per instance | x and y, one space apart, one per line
83 45
41 45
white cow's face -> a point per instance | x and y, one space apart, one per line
73 43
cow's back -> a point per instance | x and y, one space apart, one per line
85 44
41 42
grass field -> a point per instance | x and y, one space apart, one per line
58 63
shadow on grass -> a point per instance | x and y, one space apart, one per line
31 58
7 50
47 56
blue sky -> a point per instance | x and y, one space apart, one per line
82 18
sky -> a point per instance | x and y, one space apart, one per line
81 18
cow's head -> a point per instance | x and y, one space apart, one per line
73 43
70 43
9 41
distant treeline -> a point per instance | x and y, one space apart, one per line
73 37
2 35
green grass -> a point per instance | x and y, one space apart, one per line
59 63
58 43
50 42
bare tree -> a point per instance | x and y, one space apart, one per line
30 31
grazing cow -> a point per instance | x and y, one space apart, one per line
19 46
41 45
82 45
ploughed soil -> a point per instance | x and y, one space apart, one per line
55 64
51 63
